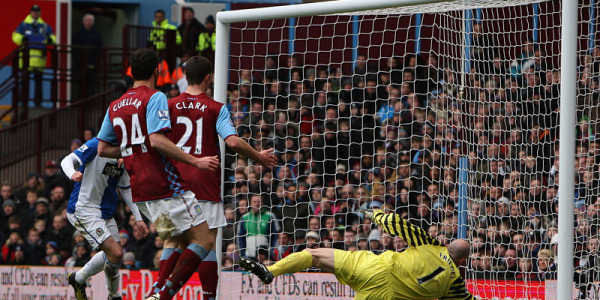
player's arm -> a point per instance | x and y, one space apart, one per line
393 224
69 164
158 122
265 157
163 144
107 150
125 188
80 157
458 291
228 133
139 222
108 139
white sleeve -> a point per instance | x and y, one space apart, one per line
69 164
126 194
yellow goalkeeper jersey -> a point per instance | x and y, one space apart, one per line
425 270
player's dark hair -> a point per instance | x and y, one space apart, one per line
143 63
197 68
160 11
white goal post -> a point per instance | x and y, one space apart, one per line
568 86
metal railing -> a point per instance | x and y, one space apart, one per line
27 144
68 73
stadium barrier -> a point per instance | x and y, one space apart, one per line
45 283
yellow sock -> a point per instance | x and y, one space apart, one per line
292 263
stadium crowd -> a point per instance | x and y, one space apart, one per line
382 134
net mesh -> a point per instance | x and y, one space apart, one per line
413 113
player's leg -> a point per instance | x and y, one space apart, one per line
169 257
208 271
295 262
189 260
114 256
168 260
96 232
321 258
185 221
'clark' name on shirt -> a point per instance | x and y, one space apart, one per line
191 105
126 102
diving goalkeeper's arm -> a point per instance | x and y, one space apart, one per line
394 225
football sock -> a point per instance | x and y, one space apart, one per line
93 267
186 266
292 263
209 276
168 260
111 272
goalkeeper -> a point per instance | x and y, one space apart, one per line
426 270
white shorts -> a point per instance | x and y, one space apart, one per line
215 214
173 216
95 230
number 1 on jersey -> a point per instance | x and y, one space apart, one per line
189 128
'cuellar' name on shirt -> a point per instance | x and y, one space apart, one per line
127 101
191 105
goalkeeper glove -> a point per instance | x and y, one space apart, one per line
368 213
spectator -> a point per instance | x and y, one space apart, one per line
34 248
586 271
161 25
41 212
33 183
81 256
54 177
526 269
20 257
232 252
143 249
387 241
256 228
51 249
178 79
55 260
40 226
375 241
8 211
227 264
75 144
129 261
58 200
156 260
545 265
294 215
284 247
62 234
207 39
38 34
349 239
8 249
189 30
400 244
88 134
5 191
87 57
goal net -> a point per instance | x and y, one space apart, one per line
445 113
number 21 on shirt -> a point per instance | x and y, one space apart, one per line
189 128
